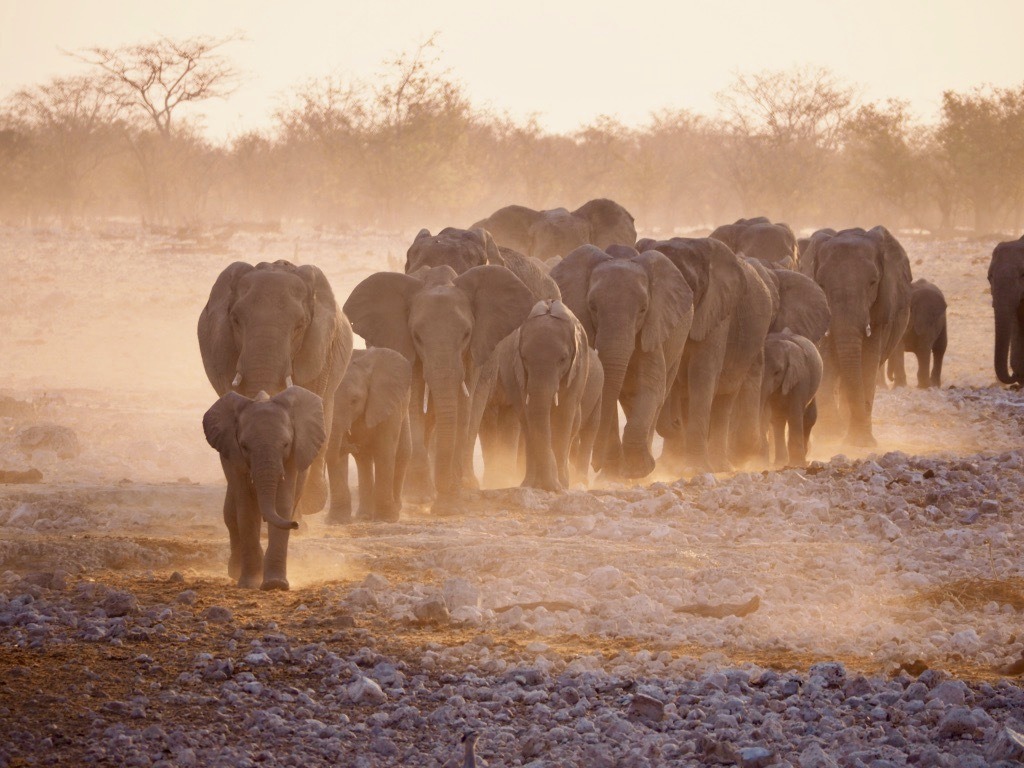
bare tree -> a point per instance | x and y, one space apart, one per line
785 127
158 77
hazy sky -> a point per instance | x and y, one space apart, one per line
565 61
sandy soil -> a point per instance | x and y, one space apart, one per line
908 559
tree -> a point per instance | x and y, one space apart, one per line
784 128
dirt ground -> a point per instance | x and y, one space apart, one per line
115 607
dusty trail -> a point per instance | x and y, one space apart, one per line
902 560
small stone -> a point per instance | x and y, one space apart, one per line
952 693
460 593
989 507
176 578
366 691
755 757
646 708
1008 745
118 603
815 757
218 614
49 437
431 611
957 723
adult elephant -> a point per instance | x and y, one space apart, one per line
724 355
556 232
759 238
269 326
447 325
866 277
460 249
636 309
1006 278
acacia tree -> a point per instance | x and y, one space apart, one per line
783 128
155 81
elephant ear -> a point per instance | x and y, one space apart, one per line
723 277
792 376
323 328
803 306
490 247
671 299
216 337
500 302
378 309
894 286
510 346
390 382
220 424
573 277
306 411
809 257
419 235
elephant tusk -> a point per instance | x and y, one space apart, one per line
556 399
426 397
465 389
288 382
237 380
867 331
526 400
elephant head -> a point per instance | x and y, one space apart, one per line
866 278
376 383
628 303
556 233
510 226
760 239
267 327
268 442
803 306
1006 279
460 249
610 223
446 324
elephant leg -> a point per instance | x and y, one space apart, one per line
316 491
703 372
718 431
923 355
364 465
401 464
383 456
644 394
795 420
231 521
585 448
482 382
249 521
419 482
562 420
341 496
491 446
939 351
275 563
746 442
862 434
828 405
778 426
810 419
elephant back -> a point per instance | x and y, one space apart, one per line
460 249
510 226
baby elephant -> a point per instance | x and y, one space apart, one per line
792 373
371 422
925 337
266 446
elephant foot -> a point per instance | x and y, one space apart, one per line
446 505
861 439
275 585
249 582
418 490
234 567
387 515
637 464
339 517
469 482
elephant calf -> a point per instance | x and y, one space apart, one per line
371 417
925 337
266 447
792 375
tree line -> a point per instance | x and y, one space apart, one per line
411 149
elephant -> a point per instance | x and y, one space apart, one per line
925 337
759 238
636 309
371 422
460 249
866 277
446 325
556 232
803 306
1006 279
543 367
792 375
266 447
269 326
724 355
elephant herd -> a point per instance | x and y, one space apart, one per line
532 331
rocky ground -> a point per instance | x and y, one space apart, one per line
865 610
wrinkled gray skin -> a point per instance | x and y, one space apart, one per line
460 249
272 325
371 422
266 446
446 325
556 232
792 374
866 277
925 337
803 306
542 374
636 309
760 239
1006 279
724 356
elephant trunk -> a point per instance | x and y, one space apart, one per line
542 468
849 341
264 363
1006 316
445 390
266 474
615 351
